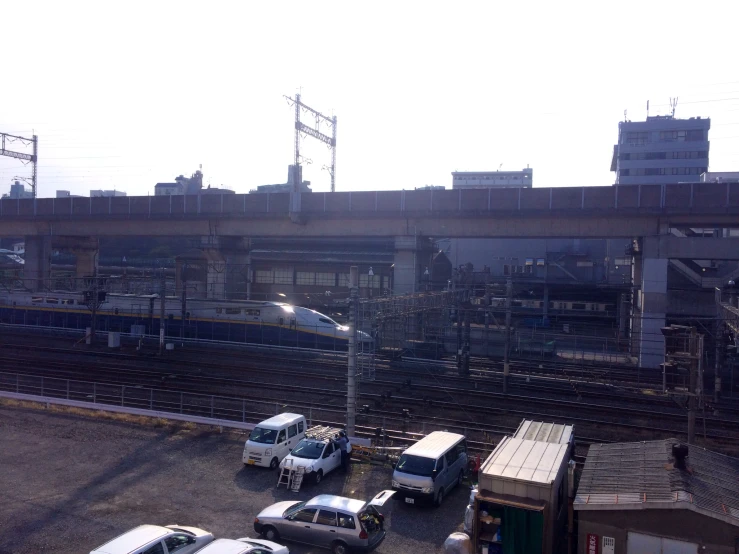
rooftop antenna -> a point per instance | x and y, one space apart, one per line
501 165
673 105
647 109
625 115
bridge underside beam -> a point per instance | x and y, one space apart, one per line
691 248
349 225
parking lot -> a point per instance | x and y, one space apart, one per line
71 481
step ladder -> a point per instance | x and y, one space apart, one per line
291 476
286 475
297 478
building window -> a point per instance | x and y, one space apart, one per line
263 276
695 135
637 138
305 278
529 261
326 279
540 262
367 281
622 261
344 280
283 276
625 172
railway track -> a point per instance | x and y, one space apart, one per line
197 375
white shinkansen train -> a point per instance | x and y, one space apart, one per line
273 323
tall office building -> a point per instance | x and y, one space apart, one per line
661 149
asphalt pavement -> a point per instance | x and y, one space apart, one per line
71 481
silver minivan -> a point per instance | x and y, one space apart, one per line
429 469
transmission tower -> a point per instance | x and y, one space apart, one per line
301 127
23 157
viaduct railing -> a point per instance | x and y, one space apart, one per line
682 198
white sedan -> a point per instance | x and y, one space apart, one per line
244 546
318 457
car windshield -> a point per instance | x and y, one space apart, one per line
294 508
308 448
265 436
416 465
257 545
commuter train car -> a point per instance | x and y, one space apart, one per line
556 306
272 323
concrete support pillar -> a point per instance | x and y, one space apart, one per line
216 274
653 309
410 255
37 267
545 304
87 263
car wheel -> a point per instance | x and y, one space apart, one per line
319 476
339 548
271 534
274 463
460 478
440 497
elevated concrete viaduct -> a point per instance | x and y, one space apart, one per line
410 218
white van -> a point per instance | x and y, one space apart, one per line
273 439
432 467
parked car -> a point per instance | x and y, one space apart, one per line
317 453
272 440
154 539
432 467
335 522
244 546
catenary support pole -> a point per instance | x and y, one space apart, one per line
506 362
351 389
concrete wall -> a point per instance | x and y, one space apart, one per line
717 536
585 212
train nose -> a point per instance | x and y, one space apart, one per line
364 337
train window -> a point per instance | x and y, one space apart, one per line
52 301
115 311
233 311
37 299
250 311
282 321
219 310
578 305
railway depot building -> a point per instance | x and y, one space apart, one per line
657 497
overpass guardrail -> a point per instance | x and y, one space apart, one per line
677 198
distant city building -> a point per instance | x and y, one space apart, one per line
18 190
661 149
431 187
106 193
720 177
66 194
284 187
168 189
490 179
191 185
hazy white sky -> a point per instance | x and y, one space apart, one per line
127 96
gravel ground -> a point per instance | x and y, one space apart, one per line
71 481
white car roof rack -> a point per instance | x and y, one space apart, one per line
322 432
